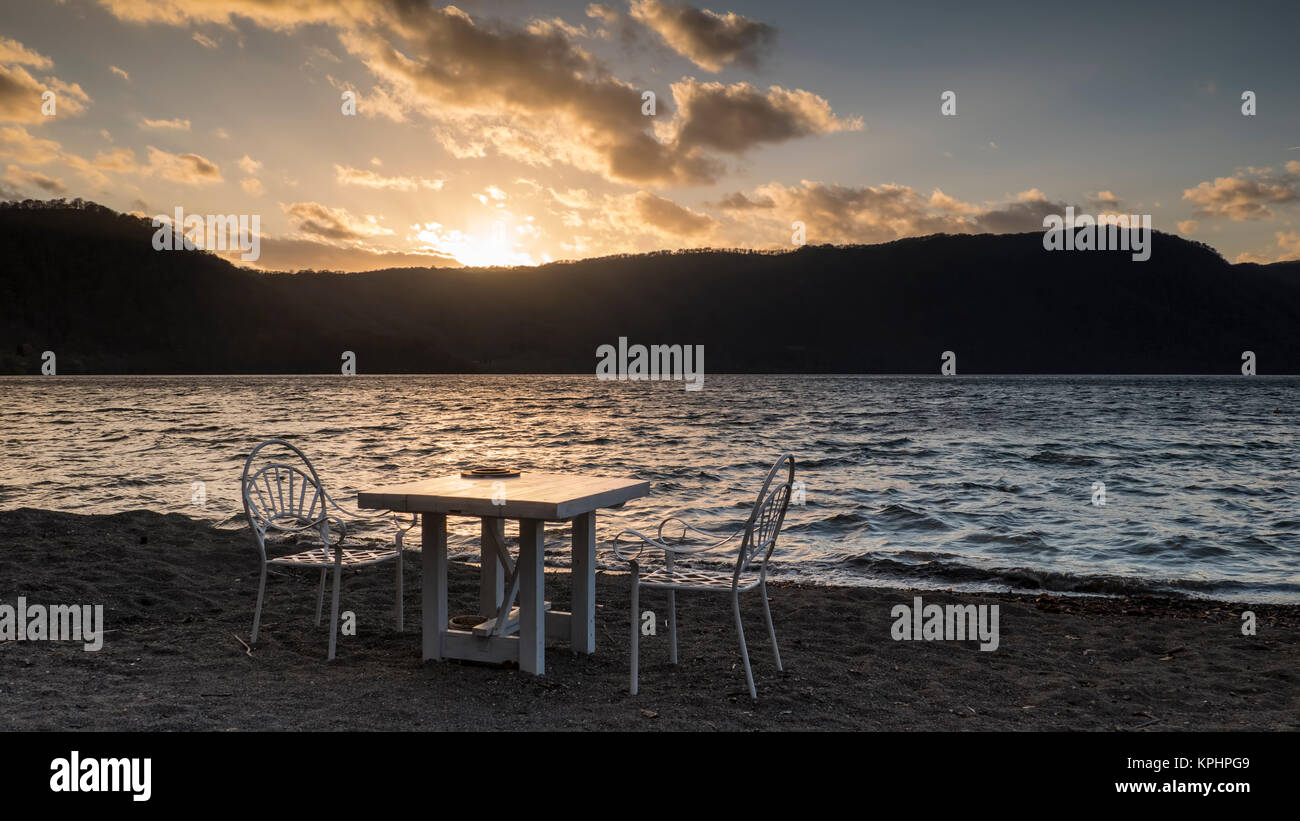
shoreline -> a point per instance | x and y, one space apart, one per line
178 596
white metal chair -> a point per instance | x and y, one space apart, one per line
287 497
750 573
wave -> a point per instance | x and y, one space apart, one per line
1052 457
905 517
940 573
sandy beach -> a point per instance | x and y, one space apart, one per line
177 593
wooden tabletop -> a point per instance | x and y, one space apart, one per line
531 495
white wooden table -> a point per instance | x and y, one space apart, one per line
511 633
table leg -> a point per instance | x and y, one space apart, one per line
434 560
532 594
491 582
582 577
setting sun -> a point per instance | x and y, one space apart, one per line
480 250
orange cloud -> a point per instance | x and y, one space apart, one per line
346 175
706 38
15 175
190 169
534 94
1248 194
322 222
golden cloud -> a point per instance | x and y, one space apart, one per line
1247 194
346 175
706 38
322 222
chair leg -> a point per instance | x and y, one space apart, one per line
672 626
636 622
767 611
320 596
334 610
401 621
257 613
744 651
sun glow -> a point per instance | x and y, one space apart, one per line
483 250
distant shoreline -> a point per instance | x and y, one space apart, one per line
911 375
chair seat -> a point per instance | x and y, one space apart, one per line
691 578
352 557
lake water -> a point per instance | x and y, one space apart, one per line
966 482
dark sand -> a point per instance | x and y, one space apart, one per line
174 604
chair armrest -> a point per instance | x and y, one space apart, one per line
668 549
323 527
687 527
332 524
355 514
374 515
311 525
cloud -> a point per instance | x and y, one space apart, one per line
532 94
739 202
20 146
1105 202
734 118
273 14
555 24
322 222
456 147
844 214
1012 218
573 198
706 38
15 175
1188 227
249 165
118 159
121 72
1289 245
377 103
283 254
20 92
1288 250
190 169
603 13
26 148
667 217
15 53
169 125
1247 194
534 97
252 186
346 175
206 42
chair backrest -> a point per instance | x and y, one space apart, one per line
280 493
765 520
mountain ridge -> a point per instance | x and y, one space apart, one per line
84 281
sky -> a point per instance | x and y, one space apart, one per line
512 133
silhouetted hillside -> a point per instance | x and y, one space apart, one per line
85 282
